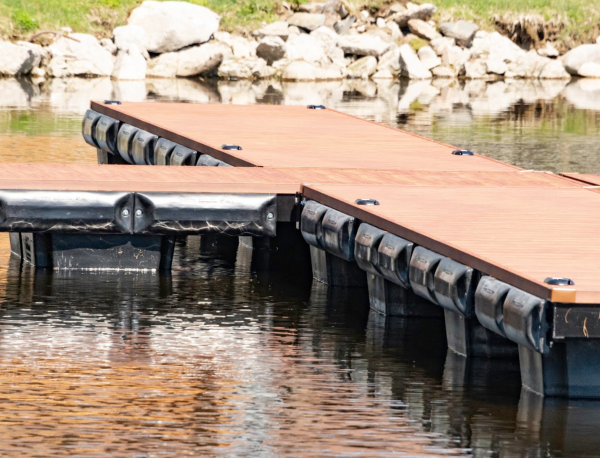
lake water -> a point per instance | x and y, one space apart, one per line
219 360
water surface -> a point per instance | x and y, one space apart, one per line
218 359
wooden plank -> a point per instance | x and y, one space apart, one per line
518 237
293 136
589 179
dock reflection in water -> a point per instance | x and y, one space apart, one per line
219 359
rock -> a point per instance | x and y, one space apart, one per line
127 35
383 75
410 65
440 44
444 72
496 66
422 29
553 69
198 60
389 64
18 60
462 31
361 28
243 48
578 56
548 50
83 58
362 68
278 29
455 57
307 21
532 65
598 40
343 27
130 63
380 22
499 46
428 57
590 70
271 49
109 45
423 12
170 26
304 71
475 69
394 29
304 47
364 45
248 68
163 66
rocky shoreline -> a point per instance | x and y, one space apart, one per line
316 42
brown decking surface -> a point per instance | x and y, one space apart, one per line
588 179
293 136
75 177
516 235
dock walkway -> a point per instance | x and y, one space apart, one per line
508 256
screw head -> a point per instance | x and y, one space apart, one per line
125 212
139 212
270 215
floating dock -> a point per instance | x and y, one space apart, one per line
507 256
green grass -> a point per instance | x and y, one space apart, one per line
21 18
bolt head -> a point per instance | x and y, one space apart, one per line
125 212
270 215
139 212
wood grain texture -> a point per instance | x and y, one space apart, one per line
518 237
293 136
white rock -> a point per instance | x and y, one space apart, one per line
109 45
590 70
127 35
198 60
475 69
422 29
364 14
304 47
395 29
496 66
130 63
532 65
164 65
279 29
554 69
423 12
410 65
548 50
248 68
383 75
578 56
389 63
380 22
307 21
428 57
243 48
503 48
85 57
598 40
456 57
303 71
271 49
444 72
462 31
18 60
362 68
364 45
361 28
440 44
170 26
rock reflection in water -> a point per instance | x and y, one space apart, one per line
218 359
543 124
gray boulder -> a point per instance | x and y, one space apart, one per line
403 15
245 69
85 57
410 65
271 49
170 26
364 45
18 60
462 31
423 29
307 21
199 60
343 27
362 68
575 58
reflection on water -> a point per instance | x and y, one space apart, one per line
543 125
218 359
